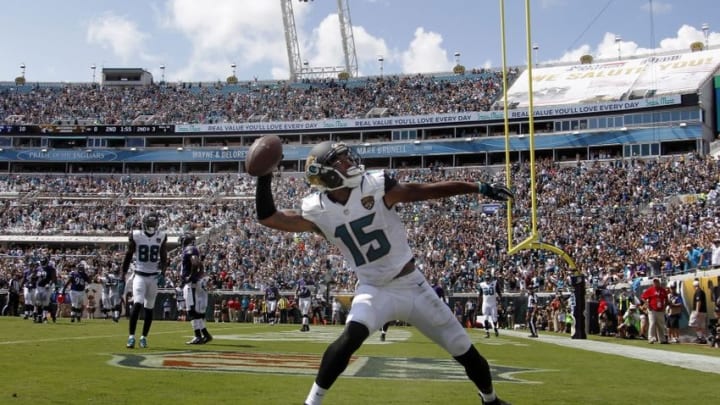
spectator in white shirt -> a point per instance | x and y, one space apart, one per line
715 258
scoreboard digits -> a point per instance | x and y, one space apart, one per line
78 129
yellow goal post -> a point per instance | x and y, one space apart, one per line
533 241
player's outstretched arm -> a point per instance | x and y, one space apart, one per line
268 215
410 192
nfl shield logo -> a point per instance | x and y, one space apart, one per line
368 202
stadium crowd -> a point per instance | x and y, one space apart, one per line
186 103
618 219
107 205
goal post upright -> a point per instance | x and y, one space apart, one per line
532 241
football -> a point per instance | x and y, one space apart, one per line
264 155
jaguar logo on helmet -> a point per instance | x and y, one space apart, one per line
150 223
324 167
368 202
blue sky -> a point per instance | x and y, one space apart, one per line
199 40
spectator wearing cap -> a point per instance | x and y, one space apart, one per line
622 304
656 298
674 309
630 327
698 316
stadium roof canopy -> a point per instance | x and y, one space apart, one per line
626 79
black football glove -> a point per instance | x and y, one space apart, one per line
496 191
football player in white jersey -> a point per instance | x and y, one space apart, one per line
355 211
148 249
111 294
490 293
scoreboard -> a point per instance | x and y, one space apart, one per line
86 129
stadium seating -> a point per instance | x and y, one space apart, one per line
189 102
618 218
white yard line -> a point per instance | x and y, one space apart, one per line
697 362
66 338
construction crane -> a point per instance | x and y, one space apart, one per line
300 69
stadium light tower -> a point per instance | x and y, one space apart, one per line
22 70
457 58
706 32
297 68
348 39
381 60
233 66
162 73
618 39
93 67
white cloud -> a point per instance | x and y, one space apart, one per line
425 54
607 49
118 34
324 47
244 32
250 33
369 48
279 73
571 56
685 36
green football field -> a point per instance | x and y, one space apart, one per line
87 363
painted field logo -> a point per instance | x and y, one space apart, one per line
307 364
